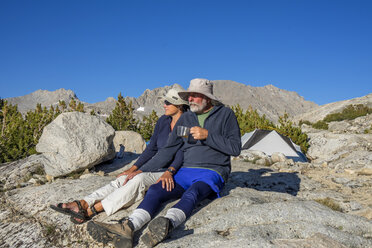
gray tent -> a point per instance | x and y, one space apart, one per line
270 141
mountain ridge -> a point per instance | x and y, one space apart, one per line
318 113
267 100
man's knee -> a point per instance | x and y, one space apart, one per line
200 186
155 189
198 190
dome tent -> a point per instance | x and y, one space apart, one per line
270 141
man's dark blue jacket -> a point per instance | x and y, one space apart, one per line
212 153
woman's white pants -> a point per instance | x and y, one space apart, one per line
114 195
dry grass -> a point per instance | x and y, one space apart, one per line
328 202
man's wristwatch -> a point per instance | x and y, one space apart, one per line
171 171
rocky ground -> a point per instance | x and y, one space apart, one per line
326 202
262 206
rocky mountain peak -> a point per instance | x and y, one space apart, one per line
268 100
44 97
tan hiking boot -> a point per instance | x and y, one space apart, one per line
120 234
158 231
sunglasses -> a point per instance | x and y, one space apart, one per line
167 103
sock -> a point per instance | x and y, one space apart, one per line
176 215
139 218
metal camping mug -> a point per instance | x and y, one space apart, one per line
183 131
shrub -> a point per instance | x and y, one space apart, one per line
304 122
320 125
49 230
350 112
369 130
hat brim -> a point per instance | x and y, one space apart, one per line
185 95
165 98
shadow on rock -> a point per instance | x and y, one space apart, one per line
260 179
117 164
264 180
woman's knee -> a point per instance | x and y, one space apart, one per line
138 178
118 182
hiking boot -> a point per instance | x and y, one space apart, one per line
158 230
120 234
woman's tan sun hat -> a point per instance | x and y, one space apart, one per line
173 97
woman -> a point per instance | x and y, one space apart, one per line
131 185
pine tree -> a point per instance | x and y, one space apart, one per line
72 104
251 119
57 111
147 126
287 128
12 133
35 122
122 117
80 107
1 105
19 136
63 106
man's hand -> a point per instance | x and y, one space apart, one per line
166 181
127 172
131 176
199 133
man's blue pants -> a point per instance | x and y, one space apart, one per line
156 195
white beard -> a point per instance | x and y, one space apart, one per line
198 108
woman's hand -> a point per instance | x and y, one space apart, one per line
131 176
167 181
127 172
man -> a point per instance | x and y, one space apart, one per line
214 137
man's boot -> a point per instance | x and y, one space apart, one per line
120 234
158 230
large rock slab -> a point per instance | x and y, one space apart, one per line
346 150
18 173
75 141
132 141
19 231
29 207
259 223
359 125
321 241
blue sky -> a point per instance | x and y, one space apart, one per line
320 49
